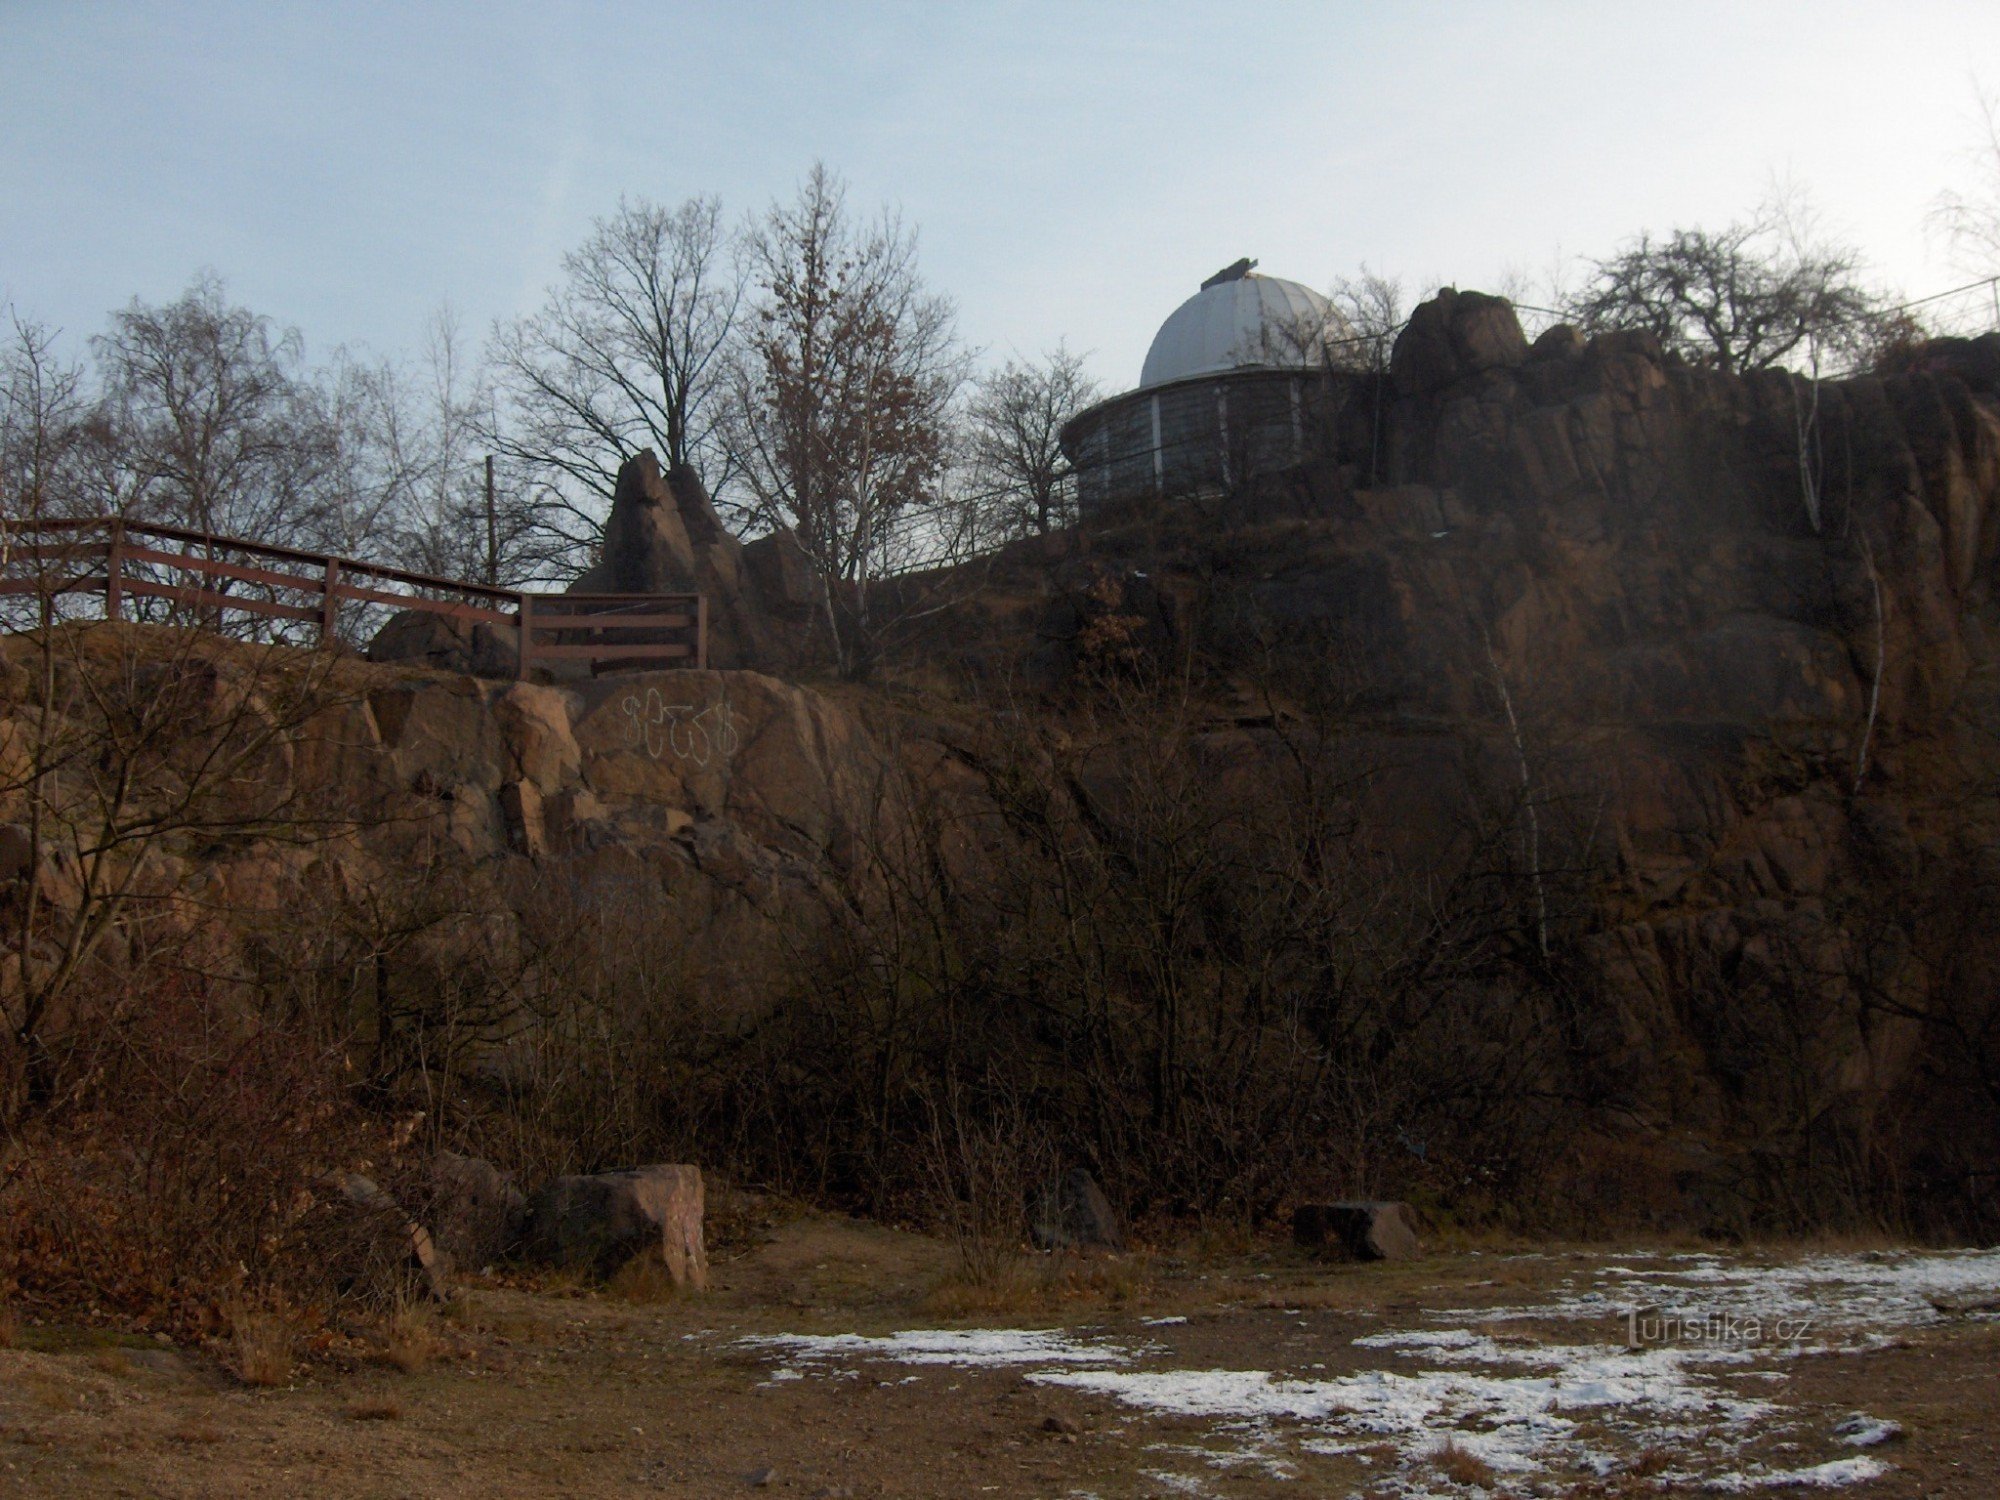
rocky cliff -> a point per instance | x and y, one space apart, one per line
1664 702
1741 629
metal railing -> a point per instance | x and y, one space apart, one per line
123 560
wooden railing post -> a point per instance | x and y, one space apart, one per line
524 656
329 604
113 558
701 632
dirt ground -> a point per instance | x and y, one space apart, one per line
578 1391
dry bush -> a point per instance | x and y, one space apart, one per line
261 1344
1461 1465
190 1160
410 1337
1010 1288
1648 1462
986 1162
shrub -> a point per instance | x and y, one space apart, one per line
261 1344
410 1337
188 1162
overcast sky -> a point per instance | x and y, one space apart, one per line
1074 169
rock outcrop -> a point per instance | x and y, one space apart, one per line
1749 686
664 537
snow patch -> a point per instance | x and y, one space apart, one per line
1863 1431
969 1347
1827 1476
1854 1299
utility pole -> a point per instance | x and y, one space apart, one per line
492 531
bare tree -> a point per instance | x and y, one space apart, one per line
42 412
1748 297
627 353
1372 307
209 420
842 393
1969 220
1015 421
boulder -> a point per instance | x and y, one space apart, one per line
534 725
478 1212
604 1220
527 829
392 1245
422 639
1359 1230
1074 1214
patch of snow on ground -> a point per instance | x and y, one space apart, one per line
1828 1476
1514 1402
1864 1431
971 1347
1837 1298
1515 1422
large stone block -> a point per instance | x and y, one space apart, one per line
1074 1214
604 1220
388 1242
1357 1230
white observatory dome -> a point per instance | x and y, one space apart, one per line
1245 320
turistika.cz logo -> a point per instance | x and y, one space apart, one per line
1643 1327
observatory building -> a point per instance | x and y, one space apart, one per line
1235 385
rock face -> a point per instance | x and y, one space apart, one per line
1357 1230
1579 575
604 1220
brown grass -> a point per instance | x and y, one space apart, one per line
196 1432
644 1279
260 1346
1650 1461
10 1325
51 1394
1461 1466
1024 1286
410 1337
380 1410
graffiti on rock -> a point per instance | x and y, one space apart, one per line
691 732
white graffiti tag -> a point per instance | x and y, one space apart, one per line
692 733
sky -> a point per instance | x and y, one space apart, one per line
1073 170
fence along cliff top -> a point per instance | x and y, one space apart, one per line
122 559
